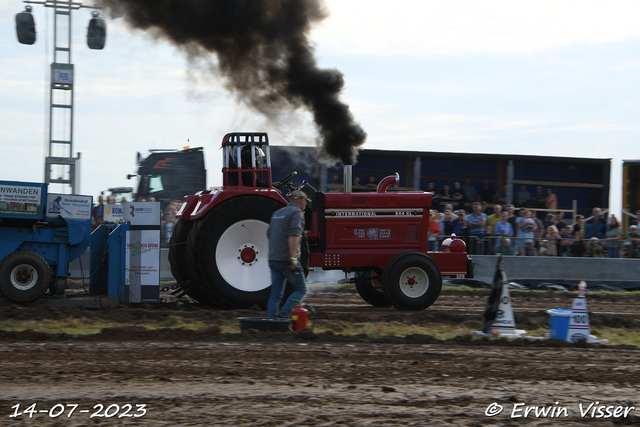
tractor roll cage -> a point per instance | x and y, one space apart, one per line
232 171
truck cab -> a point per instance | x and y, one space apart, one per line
168 175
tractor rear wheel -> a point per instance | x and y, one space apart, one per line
230 252
204 294
24 276
369 286
177 258
412 281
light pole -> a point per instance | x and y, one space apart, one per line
61 89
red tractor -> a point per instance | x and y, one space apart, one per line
219 248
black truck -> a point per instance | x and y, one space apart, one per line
169 175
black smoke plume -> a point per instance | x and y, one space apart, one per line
262 51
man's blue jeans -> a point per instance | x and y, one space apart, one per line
281 273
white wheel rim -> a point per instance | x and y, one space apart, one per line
245 276
414 282
24 277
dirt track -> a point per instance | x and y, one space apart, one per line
207 378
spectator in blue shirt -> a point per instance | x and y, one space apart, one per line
503 229
477 226
526 228
596 226
461 227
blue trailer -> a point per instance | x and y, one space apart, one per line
40 233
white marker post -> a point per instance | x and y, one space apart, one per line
579 320
505 324
579 327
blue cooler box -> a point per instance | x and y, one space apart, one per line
559 322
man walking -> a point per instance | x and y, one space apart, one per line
285 229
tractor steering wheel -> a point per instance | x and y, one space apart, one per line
284 181
294 187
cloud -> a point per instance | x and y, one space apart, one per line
430 27
591 127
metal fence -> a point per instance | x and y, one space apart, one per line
521 246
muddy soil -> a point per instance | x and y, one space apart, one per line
205 378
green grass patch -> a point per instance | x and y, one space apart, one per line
50 326
82 326
74 326
380 329
461 288
618 335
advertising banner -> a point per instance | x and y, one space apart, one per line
142 267
21 200
112 213
142 213
69 206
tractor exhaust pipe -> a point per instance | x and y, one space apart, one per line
347 177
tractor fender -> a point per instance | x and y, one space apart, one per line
207 202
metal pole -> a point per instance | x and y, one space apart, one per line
510 174
417 172
60 152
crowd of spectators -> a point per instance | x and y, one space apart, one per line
531 226
504 232
526 235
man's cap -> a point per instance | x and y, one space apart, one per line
634 227
298 194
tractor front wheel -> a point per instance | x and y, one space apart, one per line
412 281
24 276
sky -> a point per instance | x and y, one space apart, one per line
557 78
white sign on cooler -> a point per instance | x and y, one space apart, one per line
579 321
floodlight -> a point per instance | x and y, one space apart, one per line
96 32
26 27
